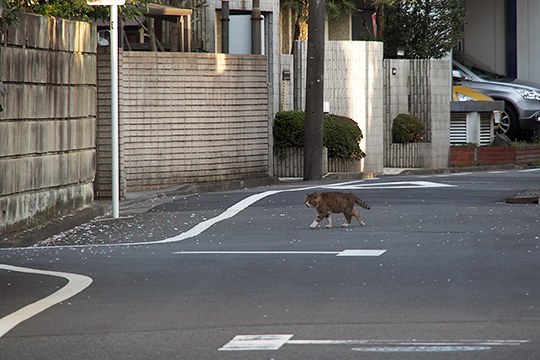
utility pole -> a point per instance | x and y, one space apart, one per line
313 126
225 26
256 27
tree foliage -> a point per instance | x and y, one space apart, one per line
71 9
338 8
424 28
299 11
8 12
380 6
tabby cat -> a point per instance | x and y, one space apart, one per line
335 202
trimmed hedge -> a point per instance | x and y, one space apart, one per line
289 129
407 128
341 135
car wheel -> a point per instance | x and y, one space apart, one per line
509 122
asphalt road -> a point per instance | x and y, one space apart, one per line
443 269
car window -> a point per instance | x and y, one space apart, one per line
479 69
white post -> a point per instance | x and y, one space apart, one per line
114 100
114 112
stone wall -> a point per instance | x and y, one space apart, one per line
47 128
186 118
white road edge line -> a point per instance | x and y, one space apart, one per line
76 284
200 227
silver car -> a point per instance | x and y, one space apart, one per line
521 98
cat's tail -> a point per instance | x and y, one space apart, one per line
361 203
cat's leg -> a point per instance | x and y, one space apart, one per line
358 217
317 220
348 217
329 218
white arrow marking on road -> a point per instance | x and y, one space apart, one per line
349 252
276 341
76 284
388 185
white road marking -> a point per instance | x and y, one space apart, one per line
348 252
389 185
256 342
76 284
194 231
360 252
408 349
387 342
453 174
205 225
276 341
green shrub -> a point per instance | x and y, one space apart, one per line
289 129
341 135
407 129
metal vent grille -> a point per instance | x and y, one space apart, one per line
486 130
458 128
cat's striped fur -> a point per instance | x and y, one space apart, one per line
335 202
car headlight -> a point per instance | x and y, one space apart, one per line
463 97
529 94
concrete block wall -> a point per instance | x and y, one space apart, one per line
353 86
421 88
440 84
103 182
190 117
47 128
286 87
